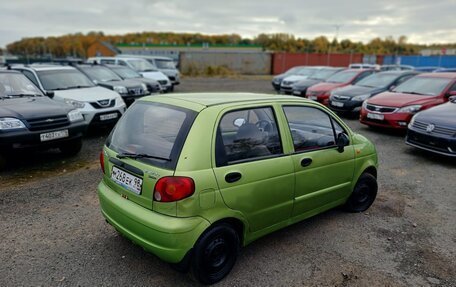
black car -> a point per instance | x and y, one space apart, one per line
129 74
129 90
350 98
300 88
434 129
29 120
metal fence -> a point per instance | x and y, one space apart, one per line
422 61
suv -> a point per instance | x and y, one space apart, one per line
395 109
127 73
129 90
192 177
30 120
98 105
163 64
146 69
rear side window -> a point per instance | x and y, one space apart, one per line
311 128
152 129
247 134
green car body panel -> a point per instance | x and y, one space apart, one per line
273 192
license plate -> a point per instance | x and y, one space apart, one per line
337 104
108 117
297 93
127 180
375 116
54 135
314 98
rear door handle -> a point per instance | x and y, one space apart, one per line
306 162
233 177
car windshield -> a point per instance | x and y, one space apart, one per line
152 129
63 79
342 77
165 64
426 86
293 70
101 74
306 72
15 84
126 73
377 80
141 65
323 74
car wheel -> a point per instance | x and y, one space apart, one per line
215 254
71 148
363 194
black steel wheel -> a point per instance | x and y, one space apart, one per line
363 194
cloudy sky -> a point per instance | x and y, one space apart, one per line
422 21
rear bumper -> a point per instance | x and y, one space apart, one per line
169 238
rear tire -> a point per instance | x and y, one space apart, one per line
72 147
215 254
363 194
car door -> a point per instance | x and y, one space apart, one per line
254 175
323 174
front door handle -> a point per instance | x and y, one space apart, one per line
306 162
233 177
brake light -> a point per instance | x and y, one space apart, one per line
173 188
102 162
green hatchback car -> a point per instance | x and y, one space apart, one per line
193 177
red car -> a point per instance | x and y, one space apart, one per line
395 109
321 92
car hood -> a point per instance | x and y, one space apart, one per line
87 94
399 100
325 87
295 78
442 115
307 83
31 108
156 75
353 90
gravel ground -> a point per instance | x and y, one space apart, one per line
52 232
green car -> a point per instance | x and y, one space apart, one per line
193 177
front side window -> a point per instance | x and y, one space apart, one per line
247 134
311 128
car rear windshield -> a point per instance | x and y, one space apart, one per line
126 73
377 80
101 74
426 86
342 77
15 84
155 130
63 79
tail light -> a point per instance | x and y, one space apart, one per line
173 188
102 162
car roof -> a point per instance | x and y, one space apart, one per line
9 71
447 75
48 67
214 99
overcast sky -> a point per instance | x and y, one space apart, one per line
422 21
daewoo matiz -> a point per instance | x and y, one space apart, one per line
193 177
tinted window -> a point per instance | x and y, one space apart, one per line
342 77
153 129
426 86
247 134
63 79
310 128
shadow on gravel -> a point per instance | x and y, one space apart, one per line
430 157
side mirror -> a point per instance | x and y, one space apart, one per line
392 87
452 99
50 94
95 82
239 122
342 142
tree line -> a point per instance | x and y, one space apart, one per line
77 44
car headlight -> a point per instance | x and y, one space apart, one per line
75 116
74 103
364 104
360 97
412 121
11 124
410 109
120 89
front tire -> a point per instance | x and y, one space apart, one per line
215 254
363 194
71 148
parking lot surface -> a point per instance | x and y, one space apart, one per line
53 234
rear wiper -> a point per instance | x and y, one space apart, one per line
140 155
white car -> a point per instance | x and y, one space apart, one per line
287 83
98 105
146 69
